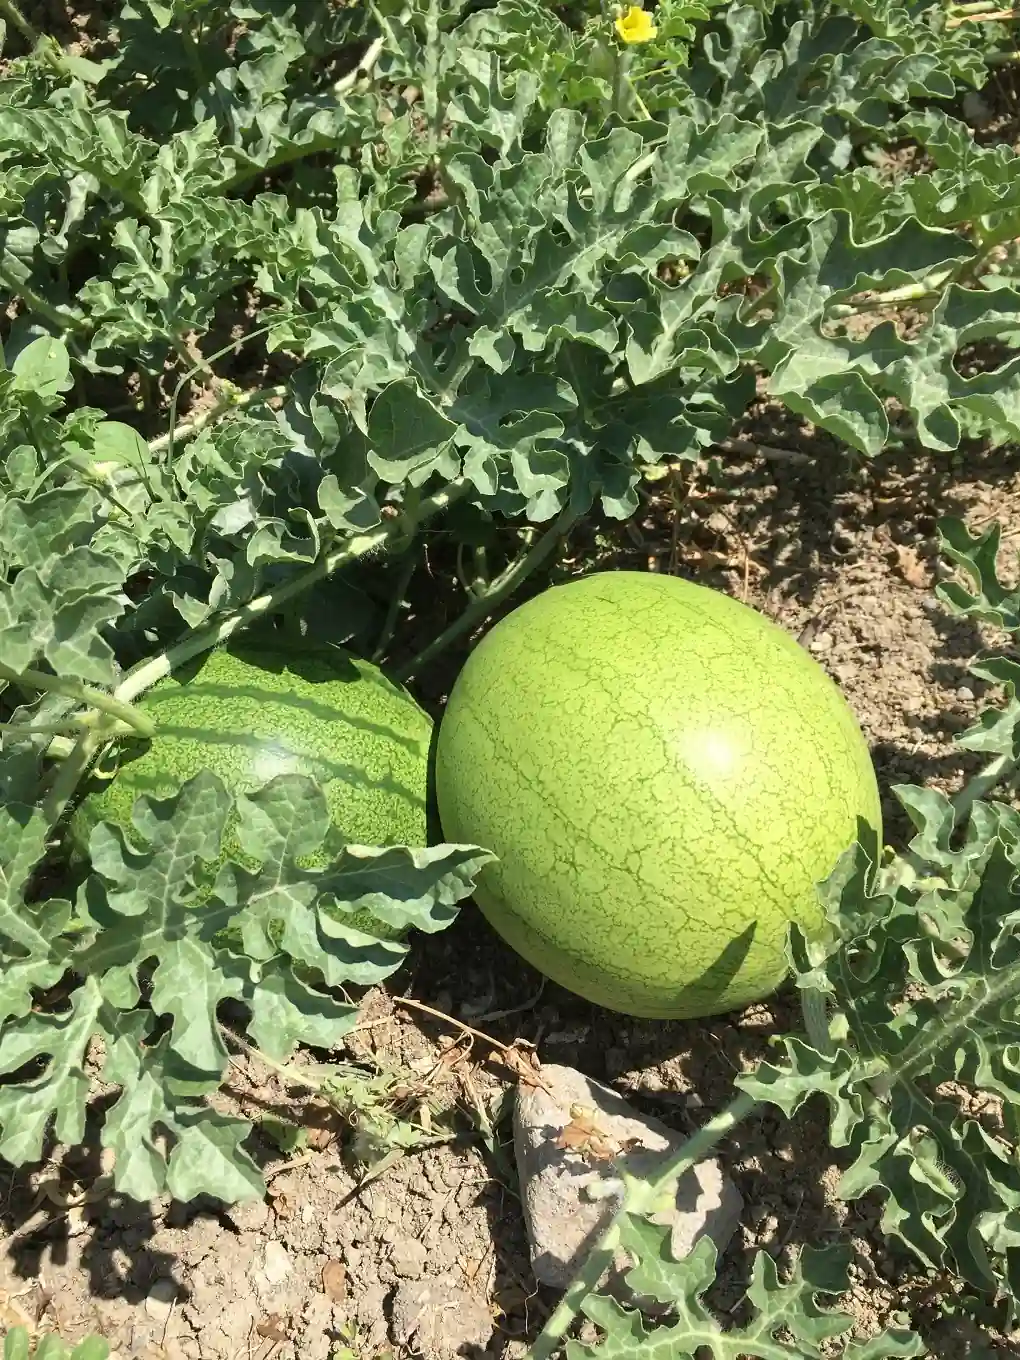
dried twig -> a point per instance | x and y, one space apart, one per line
508 1055
750 448
451 1020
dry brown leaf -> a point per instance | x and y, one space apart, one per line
453 1053
334 1280
523 1062
319 1138
583 1135
13 1314
911 567
273 1328
281 1203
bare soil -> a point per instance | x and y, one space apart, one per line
430 1257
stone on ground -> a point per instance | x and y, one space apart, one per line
564 1222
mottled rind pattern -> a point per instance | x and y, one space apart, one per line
664 775
248 714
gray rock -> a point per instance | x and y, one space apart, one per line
278 1264
439 1318
161 1298
563 1220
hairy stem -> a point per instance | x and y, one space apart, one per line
483 605
925 290
983 782
84 694
430 81
816 1020
46 47
40 729
232 397
70 772
10 11
686 1156
148 672
63 318
407 569
296 1075
992 16
190 428
621 82
363 68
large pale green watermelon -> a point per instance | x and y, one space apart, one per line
248 713
665 776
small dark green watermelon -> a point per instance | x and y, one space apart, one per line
248 712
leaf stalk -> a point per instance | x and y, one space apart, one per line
483 604
85 694
145 675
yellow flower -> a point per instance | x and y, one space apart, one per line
635 26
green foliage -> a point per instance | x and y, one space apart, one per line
787 1320
419 256
920 979
157 958
19 1345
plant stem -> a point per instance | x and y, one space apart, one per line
70 772
992 16
230 403
983 782
483 605
148 672
72 723
927 291
85 694
10 11
688 1155
407 569
620 81
816 1020
430 80
363 68
60 317
289 1073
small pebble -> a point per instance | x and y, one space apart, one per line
278 1264
161 1299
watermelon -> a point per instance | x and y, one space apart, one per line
664 776
247 713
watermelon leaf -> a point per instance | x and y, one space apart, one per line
921 985
786 1317
162 932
